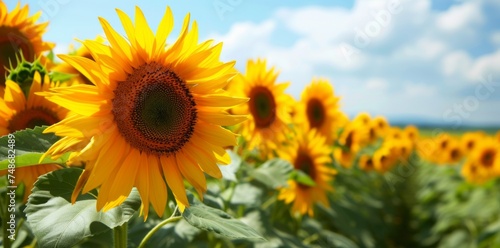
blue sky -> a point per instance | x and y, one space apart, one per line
428 60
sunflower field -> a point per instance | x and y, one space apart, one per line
130 141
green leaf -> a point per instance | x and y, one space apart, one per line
302 178
56 76
51 55
273 173
217 221
229 171
58 223
332 239
29 146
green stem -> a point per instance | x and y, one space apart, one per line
120 236
157 227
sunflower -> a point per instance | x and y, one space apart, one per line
497 136
269 108
470 140
385 157
411 133
19 33
366 162
483 163
318 109
350 140
18 112
381 125
153 114
81 52
311 155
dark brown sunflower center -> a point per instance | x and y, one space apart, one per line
470 145
31 118
304 163
11 42
262 106
315 113
349 140
444 144
369 163
154 110
488 158
372 133
455 154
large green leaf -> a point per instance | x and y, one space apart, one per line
273 173
214 220
58 223
29 146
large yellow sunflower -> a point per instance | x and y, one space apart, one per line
311 155
154 113
18 112
269 108
319 110
18 32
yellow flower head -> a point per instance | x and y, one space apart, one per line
19 34
470 140
411 133
366 162
269 108
153 114
18 112
483 162
351 139
311 155
318 109
386 156
381 125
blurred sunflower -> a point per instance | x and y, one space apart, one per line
470 140
269 108
411 133
497 136
318 109
153 114
18 112
19 35
350 141
385 157
83 51
453 154
381 125
311 155
483 163
366 162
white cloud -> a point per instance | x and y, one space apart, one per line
485 65
460 16
456 63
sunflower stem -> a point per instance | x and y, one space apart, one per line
171 219
120 235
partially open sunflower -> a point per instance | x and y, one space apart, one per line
19 35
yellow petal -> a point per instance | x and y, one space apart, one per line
174 178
